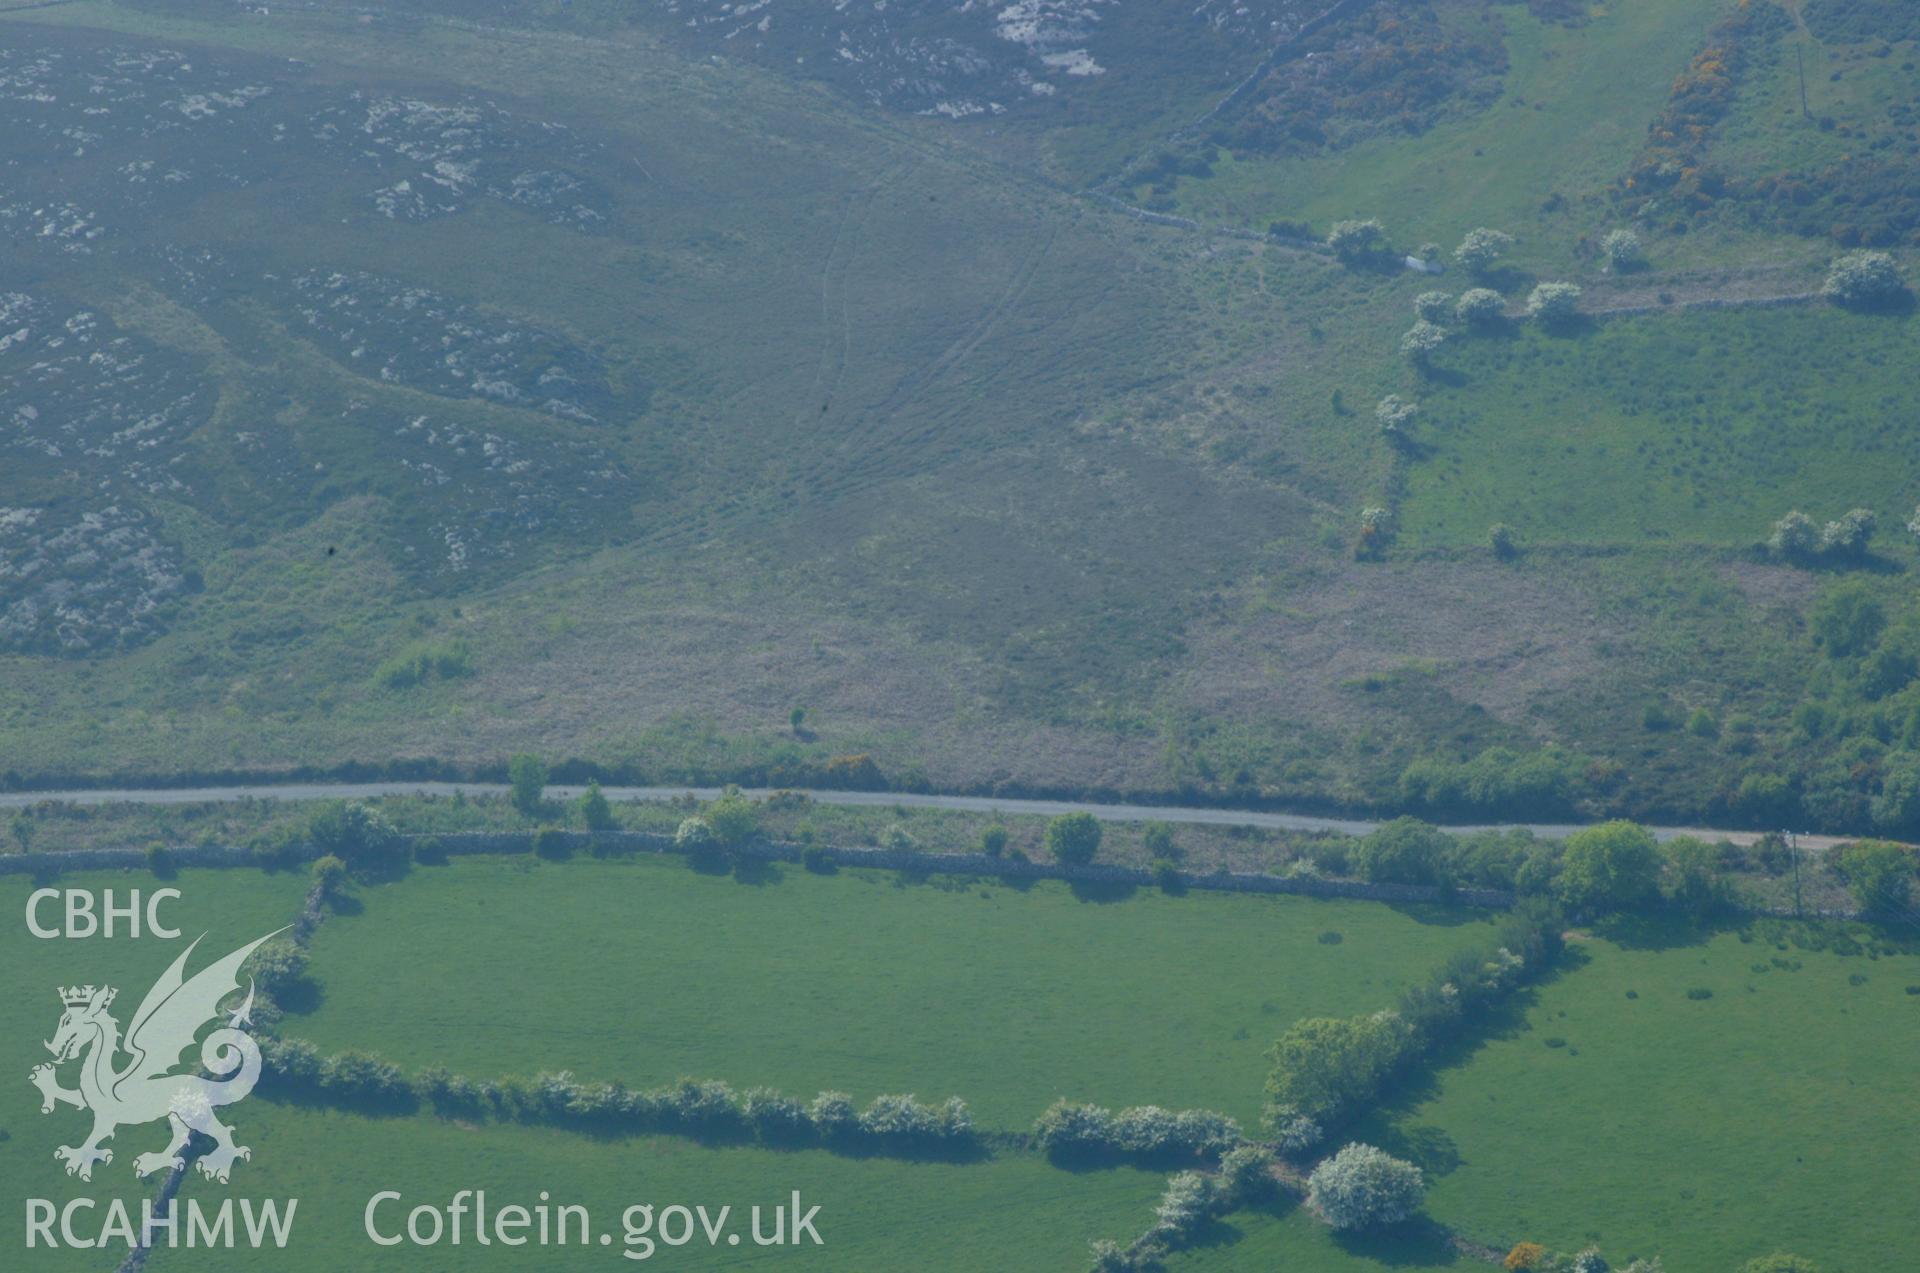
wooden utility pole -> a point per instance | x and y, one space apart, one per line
1800 51
1794 845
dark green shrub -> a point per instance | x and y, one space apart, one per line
424 660
527 775
1848 620
276 965
330 873
1613 866
1157 839
853 773
358 834
1073 838
1331 855
1880 875
595 811
734 819
275 849
1404 851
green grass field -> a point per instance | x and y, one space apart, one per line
1702 428
1574 109
918 999
1015 1212
231 906
1775 1115
646 971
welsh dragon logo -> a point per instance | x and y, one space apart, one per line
145 1089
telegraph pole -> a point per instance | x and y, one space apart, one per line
1800 51
1794 845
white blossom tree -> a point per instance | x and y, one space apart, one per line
1433 307
1621 250
1554 304
1794 535
1188 1199
1361 1186
1862 280
1480 307
1848 536
1481 248
1422 341
1356 242
1395 413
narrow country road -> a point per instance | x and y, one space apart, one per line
1187 814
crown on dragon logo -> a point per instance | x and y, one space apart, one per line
81 996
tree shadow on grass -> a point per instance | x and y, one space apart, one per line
1865 563
345 904
1084 1161
1215 1233
733 1135
1427 1147
1419 1243
1658 932
1102 891
1503 278
386 870
1438 914
302 1096
1388 1125
1571 327
300 996
971 1151
757 871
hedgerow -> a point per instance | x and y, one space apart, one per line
701 1108
1325 1069
1071 1129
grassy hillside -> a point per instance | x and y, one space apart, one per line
1564 120
634 398
1703 428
